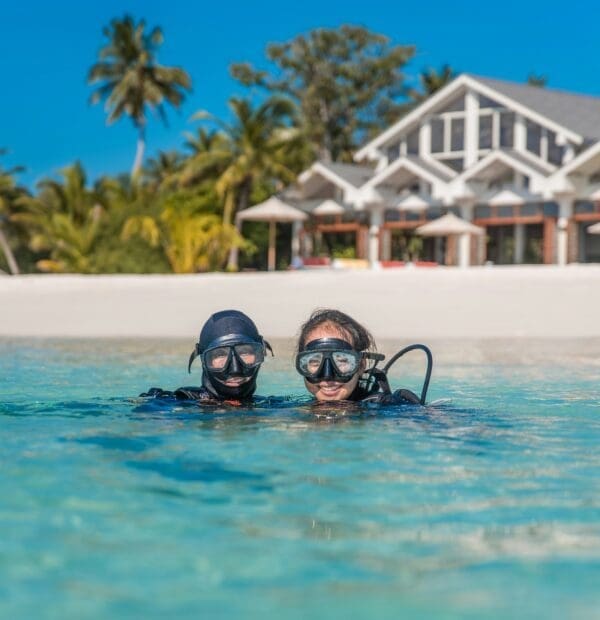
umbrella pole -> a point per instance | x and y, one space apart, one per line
271 255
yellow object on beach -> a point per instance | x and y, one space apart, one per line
350 263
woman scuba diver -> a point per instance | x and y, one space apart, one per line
231 351
333 353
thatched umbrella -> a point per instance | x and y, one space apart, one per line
454 228
272 210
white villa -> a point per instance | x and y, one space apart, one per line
521 162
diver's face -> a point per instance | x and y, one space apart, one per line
328 390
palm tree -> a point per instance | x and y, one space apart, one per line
430 81
63 219
130 79
9 192
162 170
260 144
190 239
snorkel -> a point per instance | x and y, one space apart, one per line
232 352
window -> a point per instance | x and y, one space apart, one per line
458 105
555 152
457 134
393 152
485 131
486 102
507 129
412 142
534 137
437 135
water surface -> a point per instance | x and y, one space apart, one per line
485 505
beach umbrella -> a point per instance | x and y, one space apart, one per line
594 229
272 210
329 207
448 224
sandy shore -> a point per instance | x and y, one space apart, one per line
409 303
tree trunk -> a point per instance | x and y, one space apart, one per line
140 148
10 257
243 202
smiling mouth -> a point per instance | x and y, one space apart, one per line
235 381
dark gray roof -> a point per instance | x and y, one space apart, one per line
527 161
579 113
353 173
431 168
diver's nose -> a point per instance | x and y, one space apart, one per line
235 368
327 371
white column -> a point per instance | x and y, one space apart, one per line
471 127
464 250
565 211
519 233
373 247
425 138
296 228
520 133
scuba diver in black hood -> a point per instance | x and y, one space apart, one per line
231 351
333 355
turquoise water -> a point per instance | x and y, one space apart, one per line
488 505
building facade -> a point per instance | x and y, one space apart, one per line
522 162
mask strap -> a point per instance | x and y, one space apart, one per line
193 356
268 347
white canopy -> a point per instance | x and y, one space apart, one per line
511 196
272 210
594 229
448 224
415 202
329 207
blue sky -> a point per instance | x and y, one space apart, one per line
46 49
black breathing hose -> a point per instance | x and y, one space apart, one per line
427 352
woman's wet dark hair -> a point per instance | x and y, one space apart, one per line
361 337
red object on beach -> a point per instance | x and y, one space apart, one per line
426 263
316 261
386 264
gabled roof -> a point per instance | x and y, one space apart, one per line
352 173
580 113
415 165
509 158
577 116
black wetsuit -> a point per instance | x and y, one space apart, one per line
200 394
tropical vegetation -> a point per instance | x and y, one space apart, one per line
323 94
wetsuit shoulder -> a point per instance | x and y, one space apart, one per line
399 397
155 392
182 393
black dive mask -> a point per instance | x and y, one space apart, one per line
232 356
331 359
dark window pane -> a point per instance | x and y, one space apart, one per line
458 105
485 132
437 135
457 134
555 152
507 124
393 152
534 137
412 142
486 102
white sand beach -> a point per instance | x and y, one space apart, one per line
408 303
